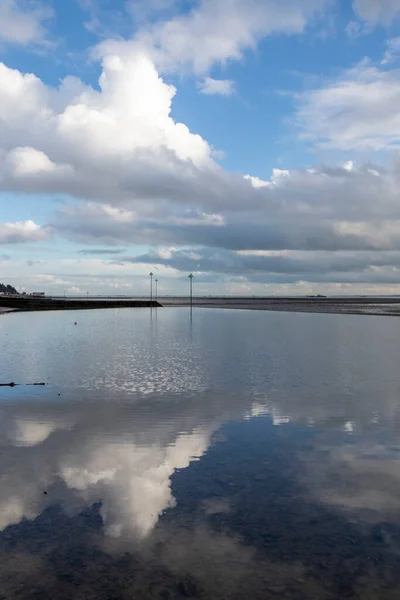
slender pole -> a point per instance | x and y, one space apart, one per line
191 289
156 289
151 287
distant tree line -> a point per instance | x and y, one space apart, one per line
7 289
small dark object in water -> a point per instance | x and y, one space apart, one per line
13 384
59 394
189 588
75 323
45 493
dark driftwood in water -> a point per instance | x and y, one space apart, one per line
28 303
12 384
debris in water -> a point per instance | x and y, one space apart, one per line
13 384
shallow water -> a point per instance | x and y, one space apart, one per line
223 454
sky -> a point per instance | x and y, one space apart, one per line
253 143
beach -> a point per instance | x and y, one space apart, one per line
350 305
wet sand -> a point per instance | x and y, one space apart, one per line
357 306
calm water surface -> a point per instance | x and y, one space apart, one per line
229 455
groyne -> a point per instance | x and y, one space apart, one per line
29 303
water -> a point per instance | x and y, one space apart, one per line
232 454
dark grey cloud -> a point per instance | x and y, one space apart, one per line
289 267
321 209
99 251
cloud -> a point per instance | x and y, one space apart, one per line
23 231
280 266
95 274
218 31
316 209
353 29
22 22
357 111
142 178
217 87
377 12
97 251
392 51
110 143
149 10
256 181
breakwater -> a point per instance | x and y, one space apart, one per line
29 303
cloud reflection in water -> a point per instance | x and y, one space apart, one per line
121 454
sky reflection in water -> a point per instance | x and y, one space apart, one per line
238 453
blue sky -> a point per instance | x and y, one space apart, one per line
252 142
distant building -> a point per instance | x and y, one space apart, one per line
37 294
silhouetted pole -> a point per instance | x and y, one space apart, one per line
191 289
151 287
156 280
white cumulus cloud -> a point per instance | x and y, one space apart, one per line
113 143
22 231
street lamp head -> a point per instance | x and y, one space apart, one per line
151 274
191 276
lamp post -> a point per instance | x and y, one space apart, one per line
151 287
191 289
156 280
